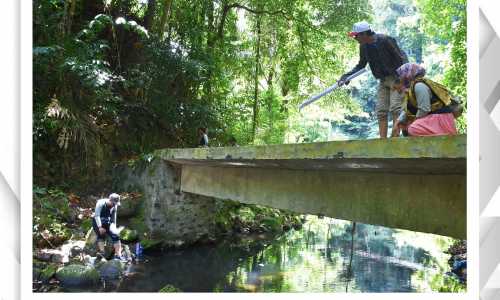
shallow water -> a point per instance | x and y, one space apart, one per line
322 256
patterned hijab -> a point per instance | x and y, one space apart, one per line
408 72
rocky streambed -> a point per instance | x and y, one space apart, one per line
66 259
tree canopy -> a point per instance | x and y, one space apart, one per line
115 79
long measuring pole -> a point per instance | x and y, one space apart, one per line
329 90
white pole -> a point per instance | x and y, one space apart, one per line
329 89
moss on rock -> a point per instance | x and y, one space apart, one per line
77 275
169 289
129 236
151 244
48 273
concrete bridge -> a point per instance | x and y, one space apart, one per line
417 184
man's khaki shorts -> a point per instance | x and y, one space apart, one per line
389 100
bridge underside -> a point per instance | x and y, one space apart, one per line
420 190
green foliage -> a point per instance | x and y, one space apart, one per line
446 284
86 224
115 79
129 236
50 204
235 216
119 78
51 214
446 21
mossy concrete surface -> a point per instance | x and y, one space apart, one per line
413 183
418 155
414 147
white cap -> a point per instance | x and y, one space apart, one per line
359 27
115 198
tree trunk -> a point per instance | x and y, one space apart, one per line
149 16
65 19
165 18
69 23
256 82
210 49
349 269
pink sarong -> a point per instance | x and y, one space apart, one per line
433 124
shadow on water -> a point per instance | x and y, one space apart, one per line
323 256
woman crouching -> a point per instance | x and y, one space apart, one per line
428 108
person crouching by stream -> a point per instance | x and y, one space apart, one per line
104 223
428 107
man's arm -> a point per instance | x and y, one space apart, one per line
97 215
113 215
361 64
394 48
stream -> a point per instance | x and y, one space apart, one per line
322 256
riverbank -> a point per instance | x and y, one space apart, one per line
323 255
63 239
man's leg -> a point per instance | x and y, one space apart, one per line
100 246
117 245
395 102
395 130
100 238
382 127
382 108
118 248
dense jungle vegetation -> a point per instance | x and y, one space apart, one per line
116 79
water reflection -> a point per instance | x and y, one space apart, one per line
323 256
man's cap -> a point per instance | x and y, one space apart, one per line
359 27
115 198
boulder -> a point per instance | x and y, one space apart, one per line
111 270
151 244
60 258
43 254
73 248
90 238
77 275
52 255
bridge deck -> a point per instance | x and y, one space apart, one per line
409 183
424 155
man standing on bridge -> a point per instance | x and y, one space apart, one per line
385 57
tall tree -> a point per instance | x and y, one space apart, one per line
256 78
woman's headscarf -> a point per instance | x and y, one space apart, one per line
408 72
